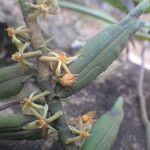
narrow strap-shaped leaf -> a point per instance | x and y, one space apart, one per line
105 131
11 128
103 16
14 122
118 4
12 87
101 50
22 135
10 72
88 11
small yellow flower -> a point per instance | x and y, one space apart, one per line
17 57
26 104
42 124
68 79
85 134
10 31
29 102
45 7
62 59
88 118
21 47
20 56
83 126
42 121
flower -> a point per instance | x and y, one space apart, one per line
40 112
45 7
42 124
85 134
83 127
62 59
17 57
29 103
10 31
26 104
88 117
68 79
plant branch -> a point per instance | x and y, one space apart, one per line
61 125
44 75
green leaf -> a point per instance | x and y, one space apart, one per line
111 70
14 122
11 128
142 36
105 131
12 87
118 4
22 135
104 16
7 73
138 1
88 11
101 50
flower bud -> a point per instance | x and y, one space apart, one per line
68 79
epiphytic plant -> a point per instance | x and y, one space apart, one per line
59 76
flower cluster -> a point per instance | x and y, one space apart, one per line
21 55
40 112
83 126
